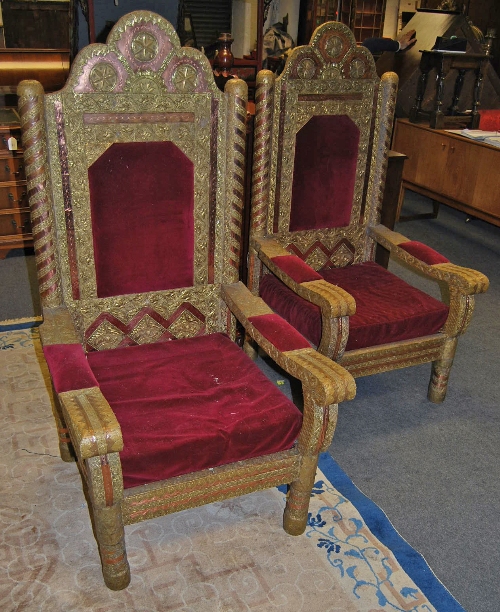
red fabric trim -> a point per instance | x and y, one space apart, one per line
297 269
188 405
279 332
324 173
142 205
68 367
423 252
387 308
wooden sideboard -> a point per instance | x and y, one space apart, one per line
450 169
15 227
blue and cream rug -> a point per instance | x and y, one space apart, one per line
231 556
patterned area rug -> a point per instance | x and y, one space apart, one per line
231 556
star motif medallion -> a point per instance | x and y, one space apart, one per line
357 69
144 47
185 78
103 77
145 85
306 69
334 46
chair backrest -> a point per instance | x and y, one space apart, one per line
323 130
136 182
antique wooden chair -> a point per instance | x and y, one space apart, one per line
135 172
322 134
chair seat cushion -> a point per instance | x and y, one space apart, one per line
187 405
387 308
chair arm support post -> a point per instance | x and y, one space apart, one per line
325 381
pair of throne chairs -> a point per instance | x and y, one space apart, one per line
136 180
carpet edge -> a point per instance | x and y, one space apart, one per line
412 562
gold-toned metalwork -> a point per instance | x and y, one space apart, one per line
143 87
333 76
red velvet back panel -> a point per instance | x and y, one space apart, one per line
324 174
142 205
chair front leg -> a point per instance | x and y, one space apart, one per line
105 498
440 374
318 429
299 496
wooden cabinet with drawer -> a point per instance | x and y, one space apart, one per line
450 168
15 227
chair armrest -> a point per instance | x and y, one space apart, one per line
335 303
462 280
93 427
58 327
326 381
92 424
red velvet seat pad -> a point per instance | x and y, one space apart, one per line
187 405
387 308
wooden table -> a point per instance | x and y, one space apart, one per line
444 62
451 169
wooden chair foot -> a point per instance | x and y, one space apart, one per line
110 536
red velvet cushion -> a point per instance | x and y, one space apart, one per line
489 120
187 405
387 308
278 331
324 173
69 368
423 252
296 268
142 204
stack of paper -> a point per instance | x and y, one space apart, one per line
479 134
493 140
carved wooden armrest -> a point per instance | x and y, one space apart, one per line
58 327
335 303
464 281
322 378
92 423
93 427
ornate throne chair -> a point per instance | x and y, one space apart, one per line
135 172
321 145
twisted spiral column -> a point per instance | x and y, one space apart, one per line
38 182
236 92
262 149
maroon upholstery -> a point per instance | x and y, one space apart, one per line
142 192
324 173
489 120
423 252
296 268
278 331
387 308
187 405
68 367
